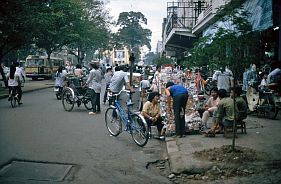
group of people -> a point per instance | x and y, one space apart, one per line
16 77
219 106
225 110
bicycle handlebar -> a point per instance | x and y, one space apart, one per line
123 90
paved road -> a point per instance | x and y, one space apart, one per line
41 131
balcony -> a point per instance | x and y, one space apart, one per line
181 16
206 17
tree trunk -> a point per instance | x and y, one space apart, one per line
49 60
3 74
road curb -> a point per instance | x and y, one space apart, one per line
27 91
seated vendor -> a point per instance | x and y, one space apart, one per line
151 112
211 106
225 111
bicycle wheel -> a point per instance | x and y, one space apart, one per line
68 100
87 101
112 121
13 101
139 130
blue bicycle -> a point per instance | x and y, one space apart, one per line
132 122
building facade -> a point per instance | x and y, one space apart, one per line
187 20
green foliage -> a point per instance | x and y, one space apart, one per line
131 32
92 31
235 45
150 57
81 25
162 60
15 30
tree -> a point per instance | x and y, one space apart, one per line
163 60
131 32
150 57
15 30
54 24
92 30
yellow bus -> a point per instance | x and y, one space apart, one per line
39 66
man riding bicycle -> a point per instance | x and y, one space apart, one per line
119 79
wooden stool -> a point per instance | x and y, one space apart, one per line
241 125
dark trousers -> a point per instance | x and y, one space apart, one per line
179 104
19 92
158 124
95 100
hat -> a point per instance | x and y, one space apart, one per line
152 95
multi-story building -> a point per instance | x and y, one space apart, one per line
187 20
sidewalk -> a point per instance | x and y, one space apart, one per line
262 135
29 85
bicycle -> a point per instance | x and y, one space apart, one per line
13 97
76 94
267 105
133 122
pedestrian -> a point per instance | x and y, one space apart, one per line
156 82
13 81
20 72
107 77
94 83
78 72
59 79
223 79
179 94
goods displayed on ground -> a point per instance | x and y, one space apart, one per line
192 118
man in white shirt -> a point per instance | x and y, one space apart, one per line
224 80
118 80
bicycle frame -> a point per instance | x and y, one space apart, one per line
116 117
125 117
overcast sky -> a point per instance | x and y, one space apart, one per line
153 10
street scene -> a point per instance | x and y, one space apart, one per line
123 92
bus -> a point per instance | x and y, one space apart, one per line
39 66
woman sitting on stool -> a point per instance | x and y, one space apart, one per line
151 112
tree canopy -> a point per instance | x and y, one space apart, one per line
131 32
81 26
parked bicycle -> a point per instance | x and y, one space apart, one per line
75 93
269 103
118 120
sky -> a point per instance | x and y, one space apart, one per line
153 10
